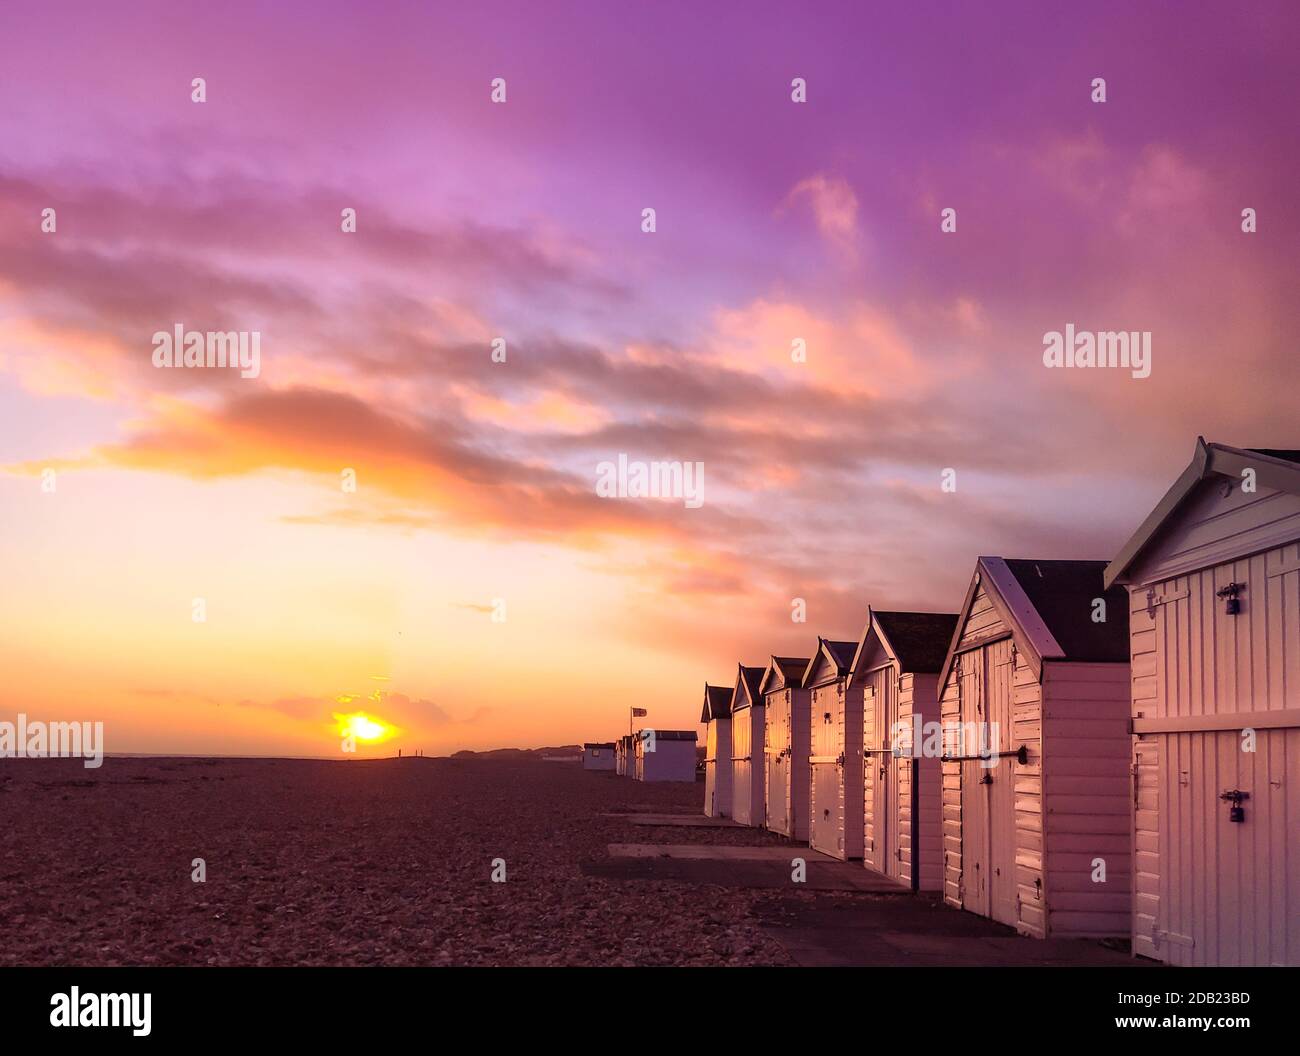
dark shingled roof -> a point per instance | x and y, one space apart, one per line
717 703
843 653
920 639
1277 452
791 667
670 735
1063 592
752 676
598 744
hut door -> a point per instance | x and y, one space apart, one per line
824 832
878 777
778 765
999 681
872 786
974 795
891 767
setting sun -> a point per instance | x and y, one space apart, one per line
364 728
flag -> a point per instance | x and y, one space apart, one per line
639 713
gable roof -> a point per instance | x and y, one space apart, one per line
747 680
839 655
783 672
1274 467
917 640
1048 606
717 703
1063 593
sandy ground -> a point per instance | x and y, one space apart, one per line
356 863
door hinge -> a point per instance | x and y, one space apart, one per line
1173 938
1154 599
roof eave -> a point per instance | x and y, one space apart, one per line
1195 472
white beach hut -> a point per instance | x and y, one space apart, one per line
786 740
897 667
1213 576
598 755
835 754
716 718
747 743
1036 794
666 755
625 755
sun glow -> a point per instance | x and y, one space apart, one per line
365 728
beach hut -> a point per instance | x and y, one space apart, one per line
716 718
835 752
625 755
1213 576
896 667
598 756
747 759
665 755
785 755
1034 699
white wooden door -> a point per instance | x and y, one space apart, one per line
777 758
825 830
999 696
880 840
975 850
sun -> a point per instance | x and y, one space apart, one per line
365 728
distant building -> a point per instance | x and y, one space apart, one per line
598 756
665 755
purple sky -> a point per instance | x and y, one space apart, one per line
776 221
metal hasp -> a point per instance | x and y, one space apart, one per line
1230 592
1236 812
1021 754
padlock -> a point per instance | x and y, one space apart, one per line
1236 813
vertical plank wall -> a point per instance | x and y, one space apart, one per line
1209 891
1087 792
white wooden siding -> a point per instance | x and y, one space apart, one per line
1217 523
1087 794
916 695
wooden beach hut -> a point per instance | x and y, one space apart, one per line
1036 793
786 740
625 755
747 743
716 719
835 753
896 666
666 755
1213 576
598 756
